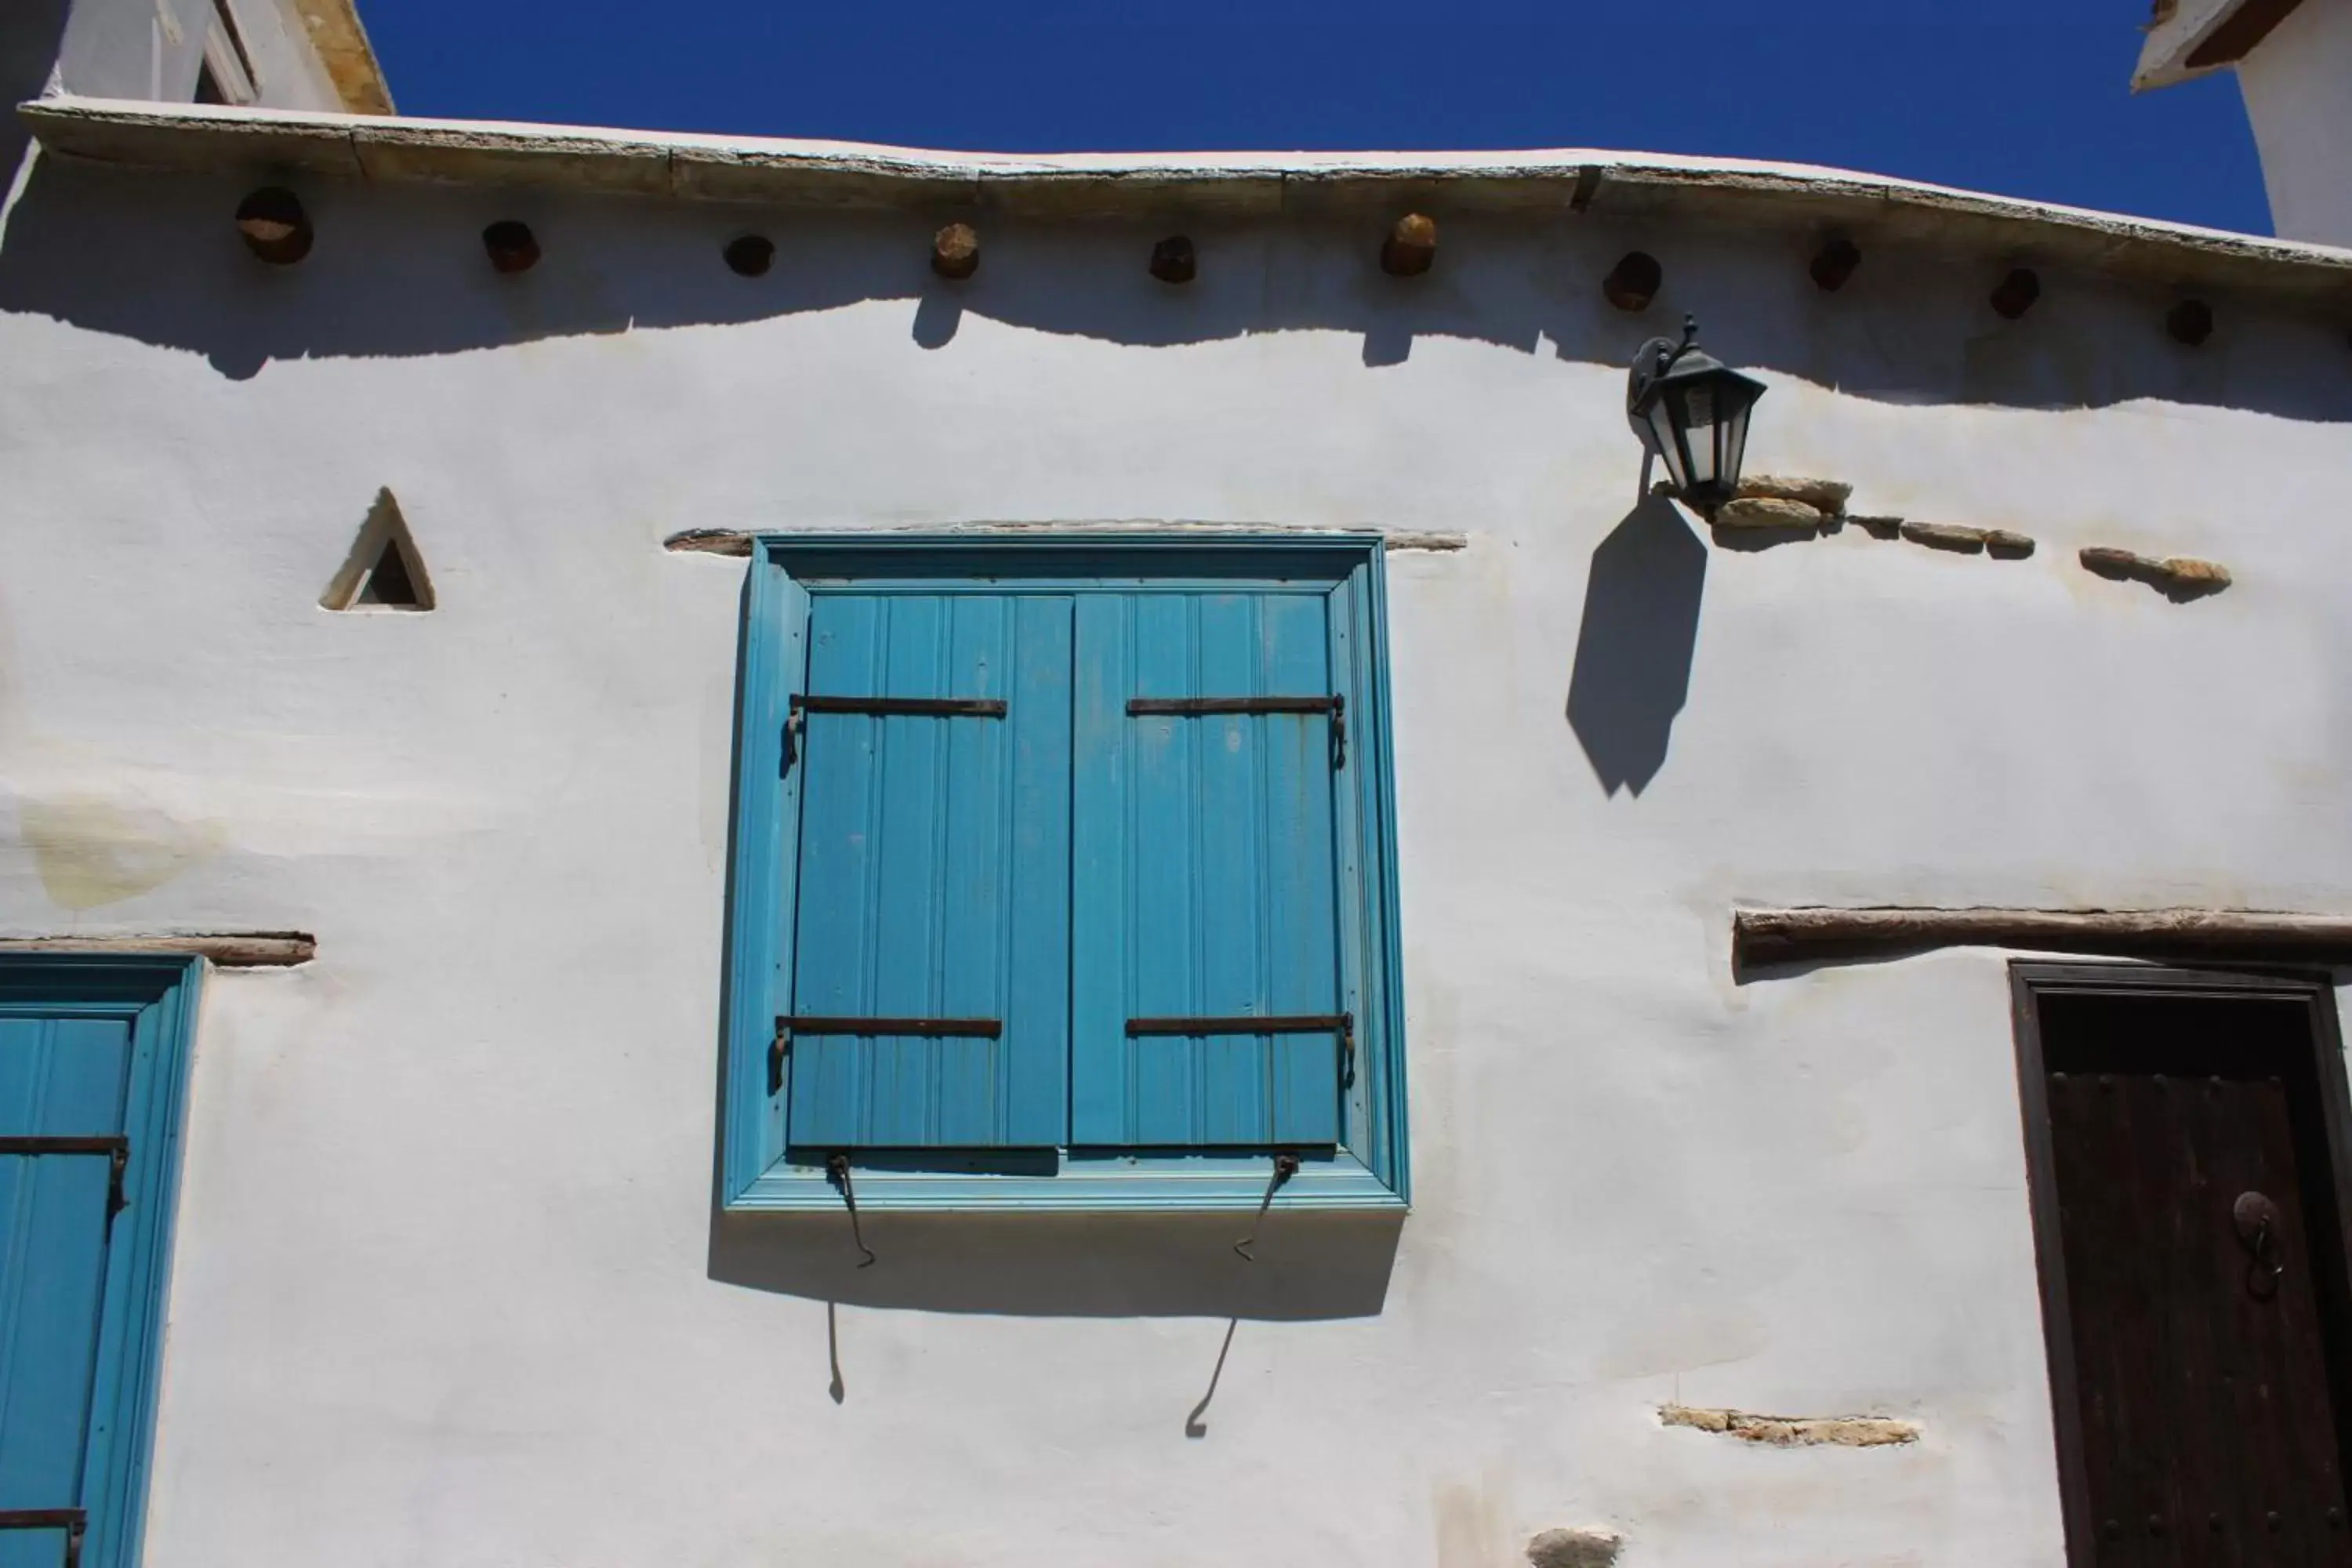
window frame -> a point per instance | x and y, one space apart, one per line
1369 1169
224 58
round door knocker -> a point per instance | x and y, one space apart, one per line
2257 1219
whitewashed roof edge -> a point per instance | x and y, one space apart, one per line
800 174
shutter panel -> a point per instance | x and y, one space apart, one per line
1205 881
934 871
59 1078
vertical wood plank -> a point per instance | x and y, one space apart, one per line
837 758
1102 1064
1165 850
907 957
1229 876
1036 875
1301 895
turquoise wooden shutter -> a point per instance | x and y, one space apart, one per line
1205 887
62 1083
930 963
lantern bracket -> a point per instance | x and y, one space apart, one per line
1651 363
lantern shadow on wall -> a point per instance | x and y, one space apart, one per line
1640 630
1635 645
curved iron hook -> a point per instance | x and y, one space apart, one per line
1284 1167
837 1167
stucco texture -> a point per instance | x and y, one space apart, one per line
449 1286
2295 86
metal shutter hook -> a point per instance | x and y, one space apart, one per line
1284 1167
837 1166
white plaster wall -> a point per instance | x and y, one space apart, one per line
2298 88
287 68
152 49
449 1287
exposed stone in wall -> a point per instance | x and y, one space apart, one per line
2188 571
2006 543
1768 512
1575 1548
1946 536
2175 577
1828 496
1777 503
1793 1431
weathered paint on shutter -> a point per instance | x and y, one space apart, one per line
934 873
59 1078
1204 881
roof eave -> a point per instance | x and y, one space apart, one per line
2201 37
793 173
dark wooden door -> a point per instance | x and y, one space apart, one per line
2194 1206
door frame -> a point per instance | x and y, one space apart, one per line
2029 982
158 993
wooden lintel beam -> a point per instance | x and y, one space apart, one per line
229 950
710 542
737 542
1761 938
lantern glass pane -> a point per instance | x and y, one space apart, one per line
1662 438
1735 440
1700 433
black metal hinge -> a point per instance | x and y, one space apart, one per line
903 707
818 1024
1340 1024
804 703
115 1147
1335 705
808 1024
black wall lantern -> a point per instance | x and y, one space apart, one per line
1693 411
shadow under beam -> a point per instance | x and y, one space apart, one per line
1310 1266
400 270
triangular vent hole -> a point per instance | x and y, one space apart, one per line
388 581
383 570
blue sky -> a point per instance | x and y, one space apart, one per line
2028 97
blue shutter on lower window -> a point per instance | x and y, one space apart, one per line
929 1002
61 1104
1205 889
